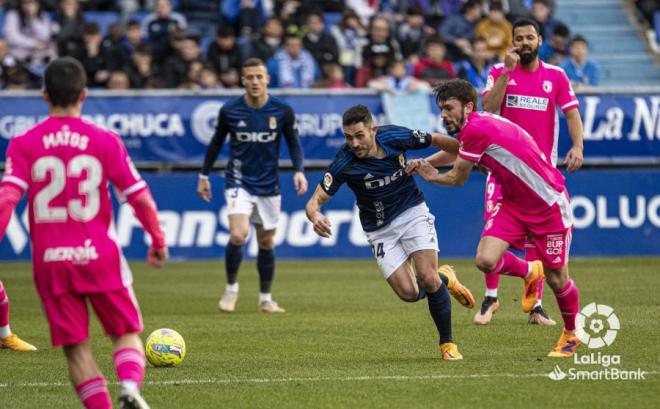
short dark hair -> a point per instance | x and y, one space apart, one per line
64 81
91 29
434 39
356 114
252 62
561 30
524 22
580 39
458 89
225 31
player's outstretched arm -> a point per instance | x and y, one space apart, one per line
492 100
574 156
322 225
441 158
147 213
445 142
457 176
9 198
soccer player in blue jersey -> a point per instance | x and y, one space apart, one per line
393 214
255 123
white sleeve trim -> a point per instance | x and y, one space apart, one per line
569 104
468 154
139 185
17 181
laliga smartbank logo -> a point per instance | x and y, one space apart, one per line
596 326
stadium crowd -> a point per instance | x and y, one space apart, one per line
200 44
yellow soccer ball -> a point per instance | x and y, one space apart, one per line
165 347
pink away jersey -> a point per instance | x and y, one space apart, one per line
530 186
531 100
64 164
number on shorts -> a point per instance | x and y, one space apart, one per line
490 189
378 250
43 211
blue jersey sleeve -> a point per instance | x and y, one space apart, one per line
334 177
215 146
290 132
404 139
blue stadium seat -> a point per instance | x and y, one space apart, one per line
656 25
331 19
102 18
139 16
2 22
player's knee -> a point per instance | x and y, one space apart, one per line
266 243
429 281
238 237
408 294
485 263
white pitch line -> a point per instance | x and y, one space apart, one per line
213 381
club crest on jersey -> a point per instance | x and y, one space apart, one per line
547 86
327 180
402 160
272 122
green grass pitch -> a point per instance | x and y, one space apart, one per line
346 341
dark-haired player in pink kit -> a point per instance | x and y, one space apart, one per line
534 201
529 92
64 164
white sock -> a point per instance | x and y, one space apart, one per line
129 386
491 292
265 297
5 331
538 303
232 287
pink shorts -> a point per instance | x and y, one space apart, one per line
552 247
68 317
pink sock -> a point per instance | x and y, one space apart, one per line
94 393
129 364
568 299
492 281
4 307
511 265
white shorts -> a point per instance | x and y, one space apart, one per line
411 231
263 210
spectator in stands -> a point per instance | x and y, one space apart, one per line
333 77
133 35
579 69
69 22
381 40
202 16
411 34
158 26
318 42
115 49
398 80
555 49
291 13
92 59
128 7
17 77
364 9
29 31
326 6
6 60
292 66
225 56
244 15
475 69
351 38
515 9
265 45
495 30
176 67
142 67
542 14
208 79
434 68
458 30
191 81
118 80
376 66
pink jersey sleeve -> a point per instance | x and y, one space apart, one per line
473 144
566 99
17 170
493 74
122 173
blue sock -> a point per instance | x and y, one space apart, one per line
266 267
233 257
440 309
